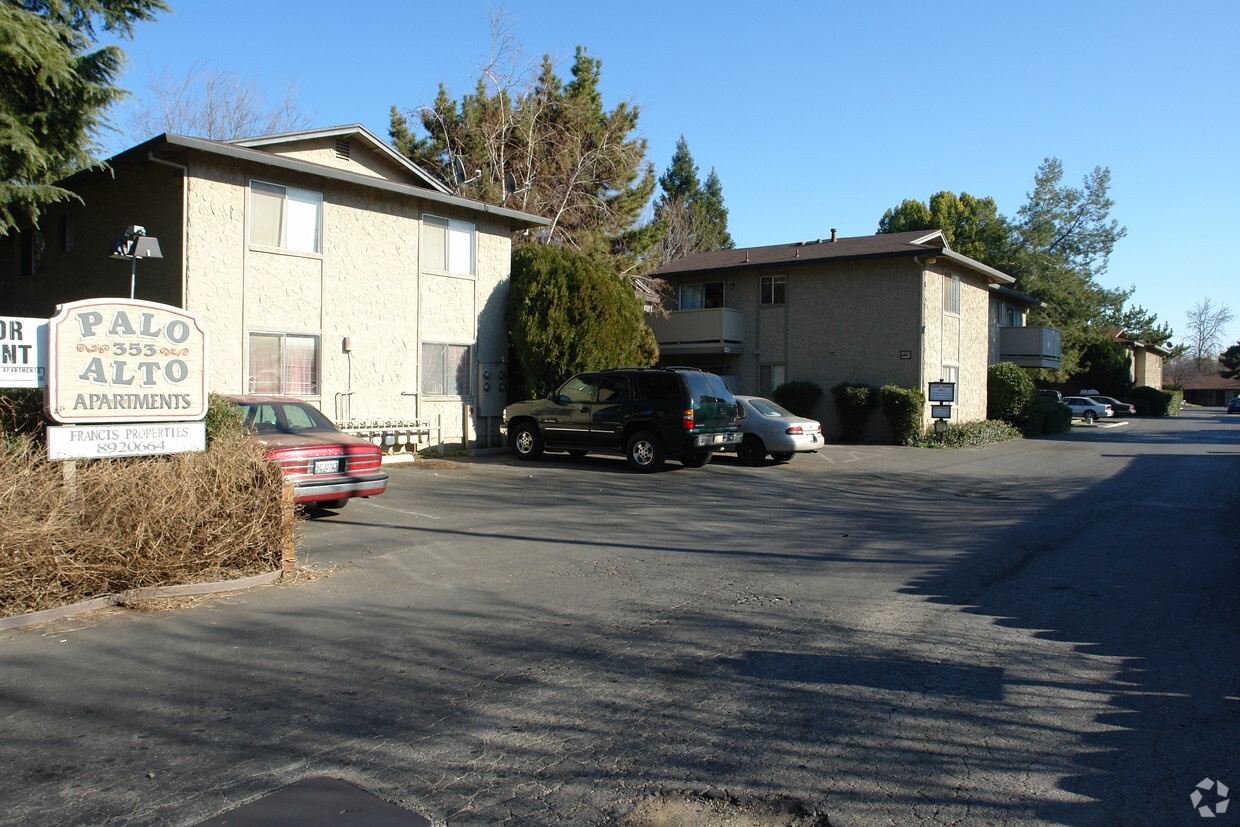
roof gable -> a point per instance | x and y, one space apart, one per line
352 147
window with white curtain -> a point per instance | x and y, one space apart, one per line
447 245
447 369
286 218
951 294
284 364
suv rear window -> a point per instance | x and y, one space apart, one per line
659 387
707 388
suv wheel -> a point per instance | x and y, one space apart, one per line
752 451
645 452
696 460
527 442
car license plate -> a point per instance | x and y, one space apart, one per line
327 466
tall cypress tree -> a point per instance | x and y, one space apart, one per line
691 217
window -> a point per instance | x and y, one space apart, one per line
771 289
284 364
770 377
1015 318
448 245
66 233
951 294
446 370
700 296
578 389
284 217
951 373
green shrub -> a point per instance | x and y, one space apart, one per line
903 408
1010 395
799 396
223 417
968 434
1049 417
1154 402
853 402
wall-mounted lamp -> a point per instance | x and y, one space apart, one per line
133 245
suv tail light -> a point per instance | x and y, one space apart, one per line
686 419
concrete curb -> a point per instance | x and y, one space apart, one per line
151 592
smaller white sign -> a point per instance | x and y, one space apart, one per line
133 439
23 352
941 411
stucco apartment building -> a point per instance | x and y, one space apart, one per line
900 308
324 264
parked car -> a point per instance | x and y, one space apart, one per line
1119 408
326 467
646 414
1087 408
1050 394
1233 405
769 428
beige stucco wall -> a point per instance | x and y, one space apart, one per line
366 286
1147 369
363 158
856 321
962 340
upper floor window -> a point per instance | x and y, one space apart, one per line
951 294
448 245
771 289
700 296
286 218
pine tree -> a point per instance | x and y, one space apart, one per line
54 91
691 217
571 160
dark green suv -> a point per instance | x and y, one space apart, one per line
647 414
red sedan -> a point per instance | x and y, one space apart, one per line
325 466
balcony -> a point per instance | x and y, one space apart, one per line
1031 347
716 330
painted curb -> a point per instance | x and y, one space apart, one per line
148 593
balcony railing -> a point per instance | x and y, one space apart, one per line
1031 347
716 330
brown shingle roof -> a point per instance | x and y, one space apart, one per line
914 243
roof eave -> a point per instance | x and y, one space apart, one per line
518 219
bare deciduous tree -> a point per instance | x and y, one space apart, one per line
211 103
1207 322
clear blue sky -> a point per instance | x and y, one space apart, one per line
820 114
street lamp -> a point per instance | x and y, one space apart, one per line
133 245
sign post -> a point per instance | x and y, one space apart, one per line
943 393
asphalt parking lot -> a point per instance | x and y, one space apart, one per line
1042 632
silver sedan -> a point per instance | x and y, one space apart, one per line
772 429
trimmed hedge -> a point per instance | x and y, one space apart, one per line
853 402
1154 402
969 434
799 396
903 409
21 413
1010 394
1049 417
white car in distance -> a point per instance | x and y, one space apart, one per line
770 428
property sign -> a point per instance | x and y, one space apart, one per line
124 360
941 411
942 392
124 439
23 352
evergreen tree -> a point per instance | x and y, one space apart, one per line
54 90
571 160
569 313
1229 362
691 217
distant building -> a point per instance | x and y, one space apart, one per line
899 308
